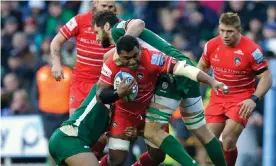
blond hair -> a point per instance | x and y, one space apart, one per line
230 18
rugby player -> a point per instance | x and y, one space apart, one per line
170 92
237 61
145 66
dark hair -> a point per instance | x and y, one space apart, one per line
101 17
126 43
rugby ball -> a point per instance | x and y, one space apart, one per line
119 77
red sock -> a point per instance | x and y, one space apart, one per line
104 161
231 156
145 160
97 149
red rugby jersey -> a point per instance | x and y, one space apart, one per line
235 66
89 52
152 64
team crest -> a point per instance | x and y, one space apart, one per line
165 85
237 61
114 124
140 76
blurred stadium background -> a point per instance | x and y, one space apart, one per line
27 28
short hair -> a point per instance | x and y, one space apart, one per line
102 17
126 43
230 18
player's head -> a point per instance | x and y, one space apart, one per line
100 5
129 52
103 22
230 28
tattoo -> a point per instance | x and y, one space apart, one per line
55 52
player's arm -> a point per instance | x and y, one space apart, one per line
55 47
260 67
203 66
204 62
265 83
135 27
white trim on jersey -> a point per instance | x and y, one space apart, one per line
89 51
86 111
90 59
87 63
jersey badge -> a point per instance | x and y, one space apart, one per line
114 124
72 24
157 59
258 56
237 61
106 71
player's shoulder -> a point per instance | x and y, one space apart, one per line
212 44
248 43
108 67
84 17
153 57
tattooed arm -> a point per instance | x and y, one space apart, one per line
55 46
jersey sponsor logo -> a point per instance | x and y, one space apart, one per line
85 146
89 30
258 56
239 52
216 58
158 59
237 61
140 76
106 71
72 24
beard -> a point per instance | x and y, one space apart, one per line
105 41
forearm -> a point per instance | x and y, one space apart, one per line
135 28
264 85
192 72
107 95
55 48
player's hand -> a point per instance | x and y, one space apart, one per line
131 132
57 72
247 107
219 85
125 88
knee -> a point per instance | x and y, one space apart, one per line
157 156
117 158
118 150
229 142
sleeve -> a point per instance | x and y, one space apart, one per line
160 62
106 73
71 28
258 63
205 55
118 30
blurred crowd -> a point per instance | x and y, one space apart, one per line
27 28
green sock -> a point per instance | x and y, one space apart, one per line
176 151
215 152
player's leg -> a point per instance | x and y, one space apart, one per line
232 131
191 109
118 142
164 102
72 151
99 146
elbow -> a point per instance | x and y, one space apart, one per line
140 24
